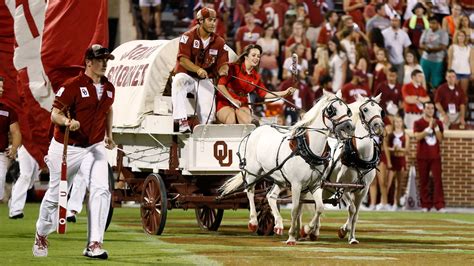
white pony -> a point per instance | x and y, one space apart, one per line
357 164
267 154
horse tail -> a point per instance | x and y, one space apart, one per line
231 184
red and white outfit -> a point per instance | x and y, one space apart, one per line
246 36
81 98
350 90
391 94
413 112
7 118
210 54
237 88
397 139
451 99
428 157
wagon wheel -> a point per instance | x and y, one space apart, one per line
266 221
208 218
111 189
153 207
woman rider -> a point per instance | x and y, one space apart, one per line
243 78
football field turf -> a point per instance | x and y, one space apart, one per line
401 238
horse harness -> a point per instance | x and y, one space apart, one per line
350 158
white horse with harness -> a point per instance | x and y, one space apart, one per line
297 158
359 157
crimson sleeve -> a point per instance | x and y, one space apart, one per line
185 43
417 127
260 92
13 116
65 97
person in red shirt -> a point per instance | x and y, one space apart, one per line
414 95
391 92
450 101
243 78
84 105
202 56
328 29
416 24
247 34
356 86
429 133
355 8
8 123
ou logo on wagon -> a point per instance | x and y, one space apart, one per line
222 153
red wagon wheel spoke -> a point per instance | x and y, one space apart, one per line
153 205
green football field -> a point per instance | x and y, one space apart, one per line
407 238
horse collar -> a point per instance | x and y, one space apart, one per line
300 145
350 156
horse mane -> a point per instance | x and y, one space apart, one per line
311 115
355 111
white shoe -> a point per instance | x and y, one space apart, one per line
442 210
40 248
371 208
95 251
393 208
381 207
425 210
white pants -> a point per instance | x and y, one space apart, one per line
410 119
79 186
203 91
3 173
29 171
99 194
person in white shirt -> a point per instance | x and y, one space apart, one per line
396 42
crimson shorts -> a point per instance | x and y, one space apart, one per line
398 163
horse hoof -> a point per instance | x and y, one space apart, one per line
354 242
291 243
313 237
303 233
341 233
252 227
278 231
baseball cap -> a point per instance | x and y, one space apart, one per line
98 51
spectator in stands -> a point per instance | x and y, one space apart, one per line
429 133
357 86
369 10
377 41
347 42
355 8
414 95
417 24
8 124
151 10
379 20
464 24
258 12
302 64
247 34
322 67
450 102
287 29
363 61
396 42
391 91
275 11
411 63
410 4
240 9
325 83
201 56
434 42
302 14
461 59
398 146
298 36
271 51
451 23
328 30
440 8
392 8
338 64
381 68
314 11
238 84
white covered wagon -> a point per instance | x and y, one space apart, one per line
155 165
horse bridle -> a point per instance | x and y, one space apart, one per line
367 123
330 111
